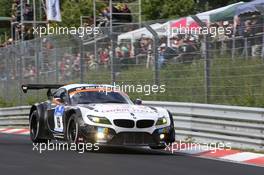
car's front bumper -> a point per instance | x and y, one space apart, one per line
108 136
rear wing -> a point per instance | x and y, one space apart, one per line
26 87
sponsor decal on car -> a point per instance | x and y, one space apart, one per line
58 114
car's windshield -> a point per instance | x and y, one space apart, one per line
88 97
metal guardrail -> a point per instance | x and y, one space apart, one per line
241 127
14 116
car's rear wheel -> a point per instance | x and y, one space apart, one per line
34 127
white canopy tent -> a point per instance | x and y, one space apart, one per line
143 32
205 16
166 28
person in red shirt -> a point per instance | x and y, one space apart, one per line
104 57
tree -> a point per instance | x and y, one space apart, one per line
203 5
73 10
6 6
163 9
5 11
178 8
166 8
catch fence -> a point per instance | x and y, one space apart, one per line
225 69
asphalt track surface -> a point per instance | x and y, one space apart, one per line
17 157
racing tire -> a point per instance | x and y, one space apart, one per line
34 128
72 130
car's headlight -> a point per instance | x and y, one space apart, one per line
161 121
101 120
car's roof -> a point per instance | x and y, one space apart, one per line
72 86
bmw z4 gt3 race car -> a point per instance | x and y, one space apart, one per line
97 114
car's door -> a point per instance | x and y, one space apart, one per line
56 112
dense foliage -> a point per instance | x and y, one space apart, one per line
151 9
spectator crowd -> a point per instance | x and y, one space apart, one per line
246 38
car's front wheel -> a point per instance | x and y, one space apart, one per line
72 130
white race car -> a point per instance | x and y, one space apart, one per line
98 114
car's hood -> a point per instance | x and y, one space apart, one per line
113 111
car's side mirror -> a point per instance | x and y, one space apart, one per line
62 97
138 101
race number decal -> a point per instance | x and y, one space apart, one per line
58 114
